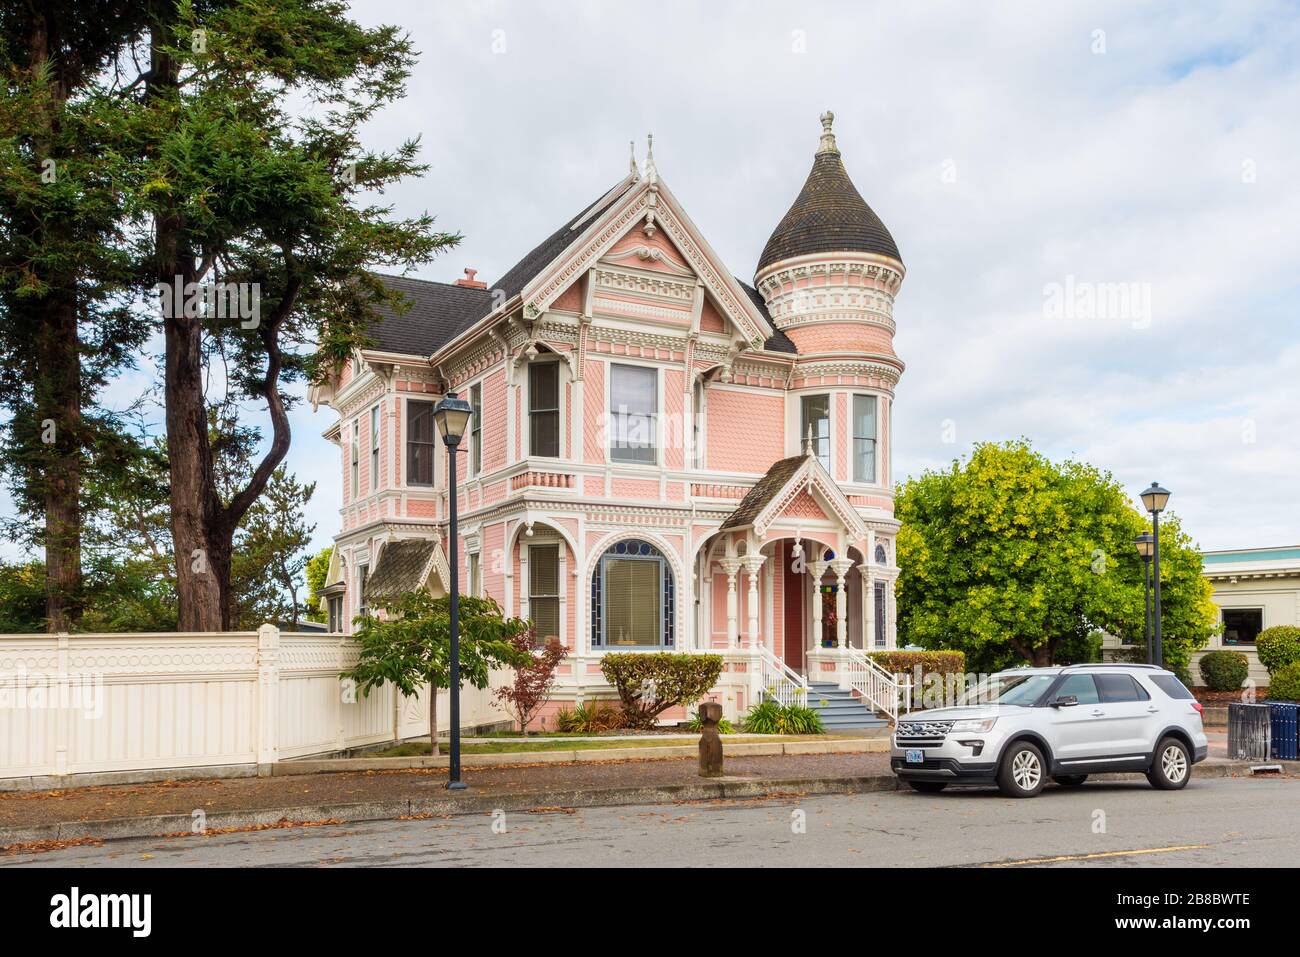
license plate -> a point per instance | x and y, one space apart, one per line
915 756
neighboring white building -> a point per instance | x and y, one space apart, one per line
1255 588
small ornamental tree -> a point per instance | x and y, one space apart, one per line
1278 646
411 646
650 684
534 678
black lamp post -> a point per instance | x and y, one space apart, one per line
452 415
1146 547
1155 499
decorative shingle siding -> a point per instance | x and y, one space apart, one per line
745 430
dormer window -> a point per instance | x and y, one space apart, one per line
815 420
544 409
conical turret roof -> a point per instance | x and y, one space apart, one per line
829 215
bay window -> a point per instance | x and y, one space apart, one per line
544 590
864 438
815 417
421 442
544 409
633 598
634 408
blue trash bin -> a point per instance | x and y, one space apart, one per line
1282 719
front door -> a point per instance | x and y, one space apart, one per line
792 617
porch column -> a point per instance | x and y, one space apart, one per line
868 607
891 618
731 566
753 564
841 568
817 569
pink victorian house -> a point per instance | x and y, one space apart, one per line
662 456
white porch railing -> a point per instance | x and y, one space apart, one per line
780 682
878 687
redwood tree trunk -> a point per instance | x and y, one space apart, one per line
60 371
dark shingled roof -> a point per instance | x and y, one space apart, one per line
761 495
439 311
513 282
829 215
400 563
779 341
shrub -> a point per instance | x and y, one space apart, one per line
1224 670
1284 684
905 662
534 678
724 726
1278 646
591 718
650 684
770 717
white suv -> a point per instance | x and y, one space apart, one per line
1017 728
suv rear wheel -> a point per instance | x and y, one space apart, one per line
1172 766
1023 772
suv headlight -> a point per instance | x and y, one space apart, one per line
976 725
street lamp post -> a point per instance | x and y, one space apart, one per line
1155 499
452 415
1146 546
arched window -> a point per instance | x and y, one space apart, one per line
633 598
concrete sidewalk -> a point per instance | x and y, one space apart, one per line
186 808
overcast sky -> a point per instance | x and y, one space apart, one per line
1013 150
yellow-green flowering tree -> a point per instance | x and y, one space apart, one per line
1012 558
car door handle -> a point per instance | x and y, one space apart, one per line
1098 714
1152 710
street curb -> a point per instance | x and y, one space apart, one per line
441 803
445 805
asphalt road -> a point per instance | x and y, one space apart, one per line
1213 822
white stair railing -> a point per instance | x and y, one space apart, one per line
780 682
880 689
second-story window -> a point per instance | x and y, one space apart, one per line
374 448
421 442
544 409
476 429
354 453
697 424
864 438
634 408
815 420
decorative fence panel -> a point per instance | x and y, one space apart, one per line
73 704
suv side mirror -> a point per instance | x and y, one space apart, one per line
1065 701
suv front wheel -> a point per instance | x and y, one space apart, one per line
1023 772
1172 766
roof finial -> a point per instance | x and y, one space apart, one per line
808 442
828 138
632 163
651 173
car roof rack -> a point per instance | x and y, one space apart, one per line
1114 664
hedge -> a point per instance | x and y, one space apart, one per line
1224 670
905 662
1278 646
648 684
1284 684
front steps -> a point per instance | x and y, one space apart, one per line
840 710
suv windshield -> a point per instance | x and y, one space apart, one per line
1015 689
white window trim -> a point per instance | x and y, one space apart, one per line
659 413
354 460
875 480
470 471
795 422
526 583
376 422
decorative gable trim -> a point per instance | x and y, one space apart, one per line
812 476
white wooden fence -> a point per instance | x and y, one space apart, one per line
74 704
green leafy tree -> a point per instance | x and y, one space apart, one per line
1010 558
410 647
270 553
318 569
